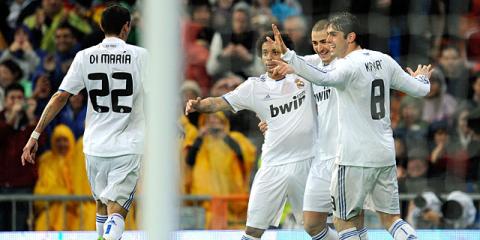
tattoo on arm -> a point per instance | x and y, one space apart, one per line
214 104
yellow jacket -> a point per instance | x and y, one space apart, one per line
55 177
219 171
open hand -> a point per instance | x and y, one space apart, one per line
425 70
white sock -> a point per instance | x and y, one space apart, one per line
113 228
350 234
248 237
401 230
326 234
363 233
100 220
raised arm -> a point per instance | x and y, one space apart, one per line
305 69
56 103
207 105
416 84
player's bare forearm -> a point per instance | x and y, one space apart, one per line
213 104
56 103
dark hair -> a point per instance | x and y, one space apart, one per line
196 4
14 87
14 68
320 25
66 25
113 19
286 39
347 23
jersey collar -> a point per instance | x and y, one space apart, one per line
112 42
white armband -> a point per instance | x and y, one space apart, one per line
35 135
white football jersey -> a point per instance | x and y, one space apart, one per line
327 114
287 107
363 80
112 73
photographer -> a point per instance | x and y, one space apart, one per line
456 212
426 213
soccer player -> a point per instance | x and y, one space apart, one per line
112 72
317 203
285 103
366 162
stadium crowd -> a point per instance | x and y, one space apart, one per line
437 138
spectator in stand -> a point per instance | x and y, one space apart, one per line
297 29
438 105
17 121
417 169
198 35
21 52
11 73
221 162
55 176
222 15
456 72
234 52
46 19
245 122
411 129
75 112
57 62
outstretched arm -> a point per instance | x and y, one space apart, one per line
56 103
303 68
207 105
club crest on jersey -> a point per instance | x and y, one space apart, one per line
300 83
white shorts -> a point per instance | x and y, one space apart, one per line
317 191
114 178
351 185
271 188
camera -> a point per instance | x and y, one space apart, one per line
424 203
427 201
214 131
459 210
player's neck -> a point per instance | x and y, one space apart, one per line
351 48
115 36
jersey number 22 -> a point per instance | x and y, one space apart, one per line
115 93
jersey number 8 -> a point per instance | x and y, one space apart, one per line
377 99
115 94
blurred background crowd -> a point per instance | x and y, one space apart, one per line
437 138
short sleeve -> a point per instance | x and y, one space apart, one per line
242 97
73 81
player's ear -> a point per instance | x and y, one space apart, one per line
351 37
126 27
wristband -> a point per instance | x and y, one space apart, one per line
35 135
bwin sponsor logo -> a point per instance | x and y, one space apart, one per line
287 107
323 95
